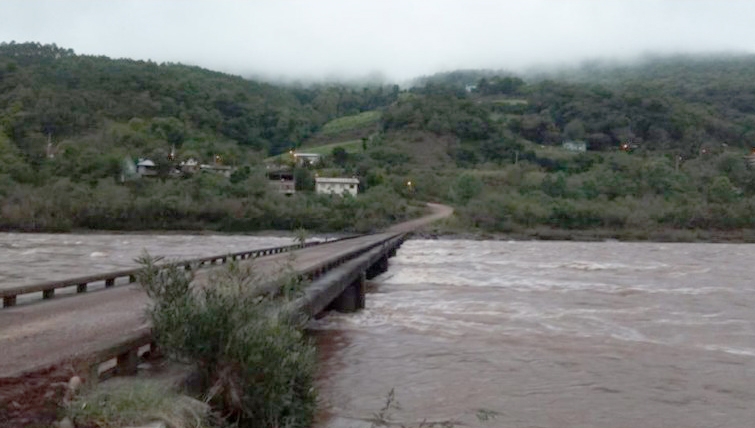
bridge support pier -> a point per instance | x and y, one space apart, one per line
379 267
353 297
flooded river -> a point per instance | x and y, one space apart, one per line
549 334
534 334
34 258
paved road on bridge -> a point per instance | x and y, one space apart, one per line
41 334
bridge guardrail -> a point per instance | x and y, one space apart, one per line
318 295
130 350
9 295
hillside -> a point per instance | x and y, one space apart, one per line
666 144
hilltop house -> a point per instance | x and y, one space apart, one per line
338 186
146 168
282 181
575 146
223 170
189 166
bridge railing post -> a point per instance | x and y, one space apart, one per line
127 363
9 301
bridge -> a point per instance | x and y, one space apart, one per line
71 329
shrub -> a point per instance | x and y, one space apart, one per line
249 353
138 402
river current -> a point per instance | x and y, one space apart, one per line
525 334
549 334
33 258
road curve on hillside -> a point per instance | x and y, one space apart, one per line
439 211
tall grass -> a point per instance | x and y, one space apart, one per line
138 402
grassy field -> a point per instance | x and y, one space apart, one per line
348 123
351 146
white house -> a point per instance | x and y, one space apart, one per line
189 166
575 146
282 181
145 167
223 170
336 186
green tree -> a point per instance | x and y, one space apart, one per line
340 156
466 187
721 190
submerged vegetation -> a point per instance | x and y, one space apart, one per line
667 148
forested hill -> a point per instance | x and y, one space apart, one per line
50 91
666 142
682 103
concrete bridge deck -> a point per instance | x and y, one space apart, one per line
39 335
44 334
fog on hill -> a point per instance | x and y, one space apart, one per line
389 40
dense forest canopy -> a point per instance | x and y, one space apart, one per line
667 135
47 90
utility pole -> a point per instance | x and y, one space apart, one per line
49 151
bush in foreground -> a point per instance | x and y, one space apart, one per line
137 403
252 359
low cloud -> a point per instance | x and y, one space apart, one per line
396 39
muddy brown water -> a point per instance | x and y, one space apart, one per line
539 334
33 258
549 334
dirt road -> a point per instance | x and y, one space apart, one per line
438 212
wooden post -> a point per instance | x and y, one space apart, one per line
127 363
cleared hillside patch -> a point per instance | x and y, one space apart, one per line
351 146
348 123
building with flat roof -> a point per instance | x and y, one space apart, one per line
146 168
335 185
282 181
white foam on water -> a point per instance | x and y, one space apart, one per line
749 352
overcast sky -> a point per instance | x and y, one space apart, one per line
397 39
